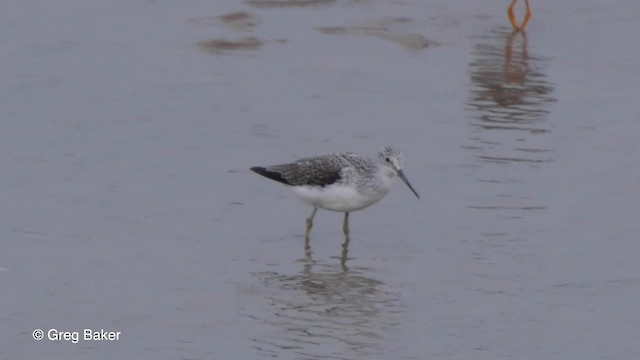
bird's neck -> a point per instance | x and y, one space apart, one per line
384 178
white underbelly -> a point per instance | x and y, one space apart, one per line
337 197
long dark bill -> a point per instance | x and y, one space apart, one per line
406 181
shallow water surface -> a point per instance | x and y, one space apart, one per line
128 205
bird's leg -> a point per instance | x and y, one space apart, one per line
310 223
345 225
345 245
512 18
527 15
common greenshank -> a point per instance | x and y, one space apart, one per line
342 182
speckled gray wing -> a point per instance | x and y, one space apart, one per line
316 171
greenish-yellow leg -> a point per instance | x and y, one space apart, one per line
310 222
345 225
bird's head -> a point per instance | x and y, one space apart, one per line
392 160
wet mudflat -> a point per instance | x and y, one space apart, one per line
128 205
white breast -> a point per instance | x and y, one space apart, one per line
338 197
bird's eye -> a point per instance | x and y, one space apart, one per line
387 159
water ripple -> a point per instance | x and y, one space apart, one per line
325 312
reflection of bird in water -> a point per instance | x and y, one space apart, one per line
321 306
509 100
512 18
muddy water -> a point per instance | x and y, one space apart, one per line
128 206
